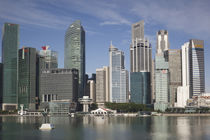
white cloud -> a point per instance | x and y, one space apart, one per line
30 12
191 17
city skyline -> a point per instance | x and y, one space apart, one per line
43 27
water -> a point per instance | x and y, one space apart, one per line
113 128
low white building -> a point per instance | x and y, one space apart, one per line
103 111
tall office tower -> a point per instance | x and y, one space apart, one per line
92 90
50 57
58 84
197 73
102 85
175 74
138 31
140 65
74 55
140 87
162 72
193 74
118 76
27 77
10 43
140 50
1 83
162 41
153 82
183 92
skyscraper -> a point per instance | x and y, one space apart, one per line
183 92
118 76
162 72
140 65
27 78
10 43
197 73
140 50
102 85
74 52
175 73
50 57
193 74
1 84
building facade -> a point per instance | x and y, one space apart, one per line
175 74
1 84
50 57
102 85
140 65
27 78
162 97
193 74
197 73
183 92
10 44
118 76
140 87
58 84
74 52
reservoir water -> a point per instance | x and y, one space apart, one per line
108 128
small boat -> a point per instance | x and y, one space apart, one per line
47 126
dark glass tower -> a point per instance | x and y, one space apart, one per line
74 52
140 87
196 67
10 43
27 78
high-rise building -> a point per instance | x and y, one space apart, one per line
118 76
153 82
175 73
102 85
183 92
10 43
162 72
140 65
197 73
92 90
50 57
27 77
58 84
1 84
193 74
138 31
140 50
74 52
140 87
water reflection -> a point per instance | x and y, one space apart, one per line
107 128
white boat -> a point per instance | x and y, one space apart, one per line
47 126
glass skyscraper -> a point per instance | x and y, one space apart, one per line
140 87
74 52
162 72
140 65
10 43
196 66
50 57
27 78
118 76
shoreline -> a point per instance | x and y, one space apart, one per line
124 115
185 115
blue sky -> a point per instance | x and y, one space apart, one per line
43 22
